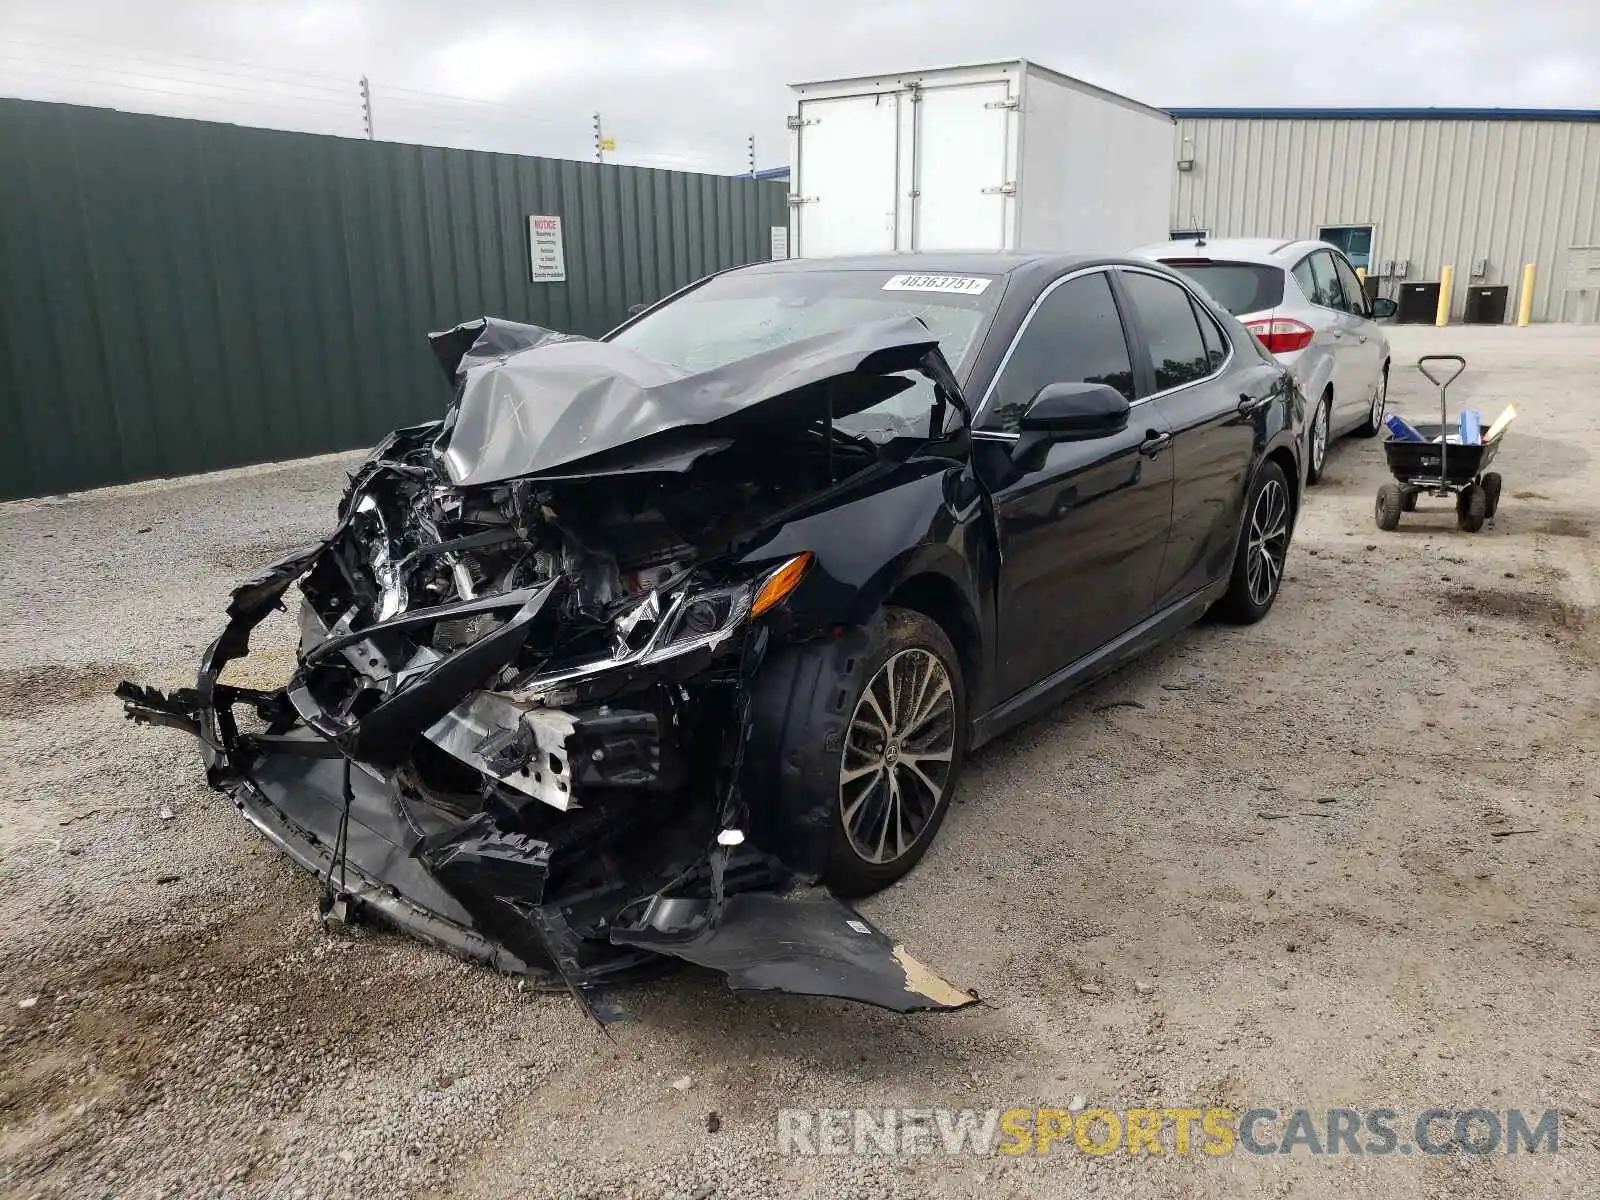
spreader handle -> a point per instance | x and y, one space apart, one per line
1441 384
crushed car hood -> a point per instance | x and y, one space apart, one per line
532 400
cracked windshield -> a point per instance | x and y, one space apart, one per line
734 316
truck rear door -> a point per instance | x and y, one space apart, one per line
845 166
963 187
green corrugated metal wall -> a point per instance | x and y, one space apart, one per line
178 296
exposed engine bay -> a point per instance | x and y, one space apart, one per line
527 658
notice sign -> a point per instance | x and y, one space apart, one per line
780 242
548 250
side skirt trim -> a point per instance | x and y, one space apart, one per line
1055 688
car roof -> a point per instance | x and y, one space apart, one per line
941 263
1278 252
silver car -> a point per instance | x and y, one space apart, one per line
1305 304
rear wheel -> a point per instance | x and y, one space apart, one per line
1263 552
1472 507
1491 493
1408 500
1380 404
1317 451
1387 510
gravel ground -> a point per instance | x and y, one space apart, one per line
1346 857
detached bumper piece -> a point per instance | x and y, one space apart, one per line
804 941
558 896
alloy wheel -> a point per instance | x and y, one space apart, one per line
897 755
1319 437
1380 402
1269 542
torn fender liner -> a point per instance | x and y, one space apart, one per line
803 941
559 399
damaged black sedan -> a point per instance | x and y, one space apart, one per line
656 645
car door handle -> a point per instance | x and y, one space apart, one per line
1250 404
1154 443
1363 339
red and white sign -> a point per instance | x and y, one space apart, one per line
548 251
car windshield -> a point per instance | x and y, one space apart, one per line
1239 287
736 315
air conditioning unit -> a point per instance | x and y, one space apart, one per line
1486 305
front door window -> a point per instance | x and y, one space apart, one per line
1075 336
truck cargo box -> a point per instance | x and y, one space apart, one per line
998 156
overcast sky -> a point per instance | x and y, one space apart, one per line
684 82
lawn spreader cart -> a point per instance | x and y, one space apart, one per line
1426 462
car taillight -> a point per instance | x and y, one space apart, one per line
1281 334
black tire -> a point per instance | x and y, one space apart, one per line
1244 602
1408 501
802 709
1380 405
1491 494
1388 508
1317 448
1472 508
903 636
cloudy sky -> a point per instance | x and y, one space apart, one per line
686 82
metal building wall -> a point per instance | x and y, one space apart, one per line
178 296
1436 191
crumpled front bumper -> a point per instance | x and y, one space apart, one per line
326 796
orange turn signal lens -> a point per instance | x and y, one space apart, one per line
780 583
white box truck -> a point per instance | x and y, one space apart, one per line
998 156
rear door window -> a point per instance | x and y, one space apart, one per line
1241 288
1305 281
1323 289
1171 329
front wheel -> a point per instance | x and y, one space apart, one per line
1263 552
1472 507
1491 494
1390 504
900 756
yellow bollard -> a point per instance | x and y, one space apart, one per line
1447 280
1525 301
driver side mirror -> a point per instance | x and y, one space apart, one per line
1068 412
1383 307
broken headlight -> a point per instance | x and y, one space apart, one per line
657 629
696 618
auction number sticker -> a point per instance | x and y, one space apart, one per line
969 285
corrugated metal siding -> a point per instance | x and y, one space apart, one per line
1436 191
179 296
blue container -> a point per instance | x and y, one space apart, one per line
1400 431
1471 427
